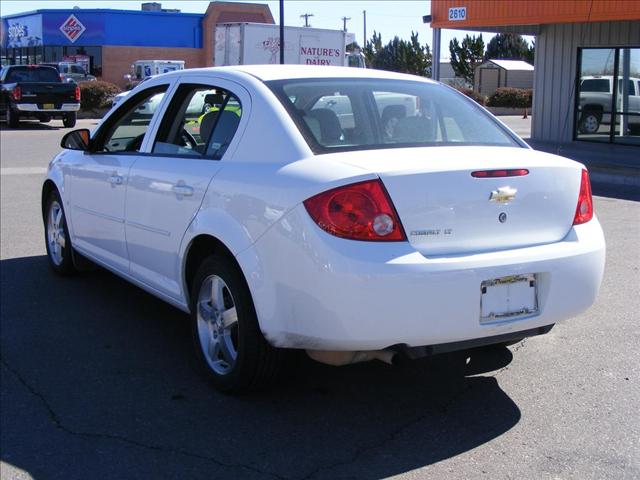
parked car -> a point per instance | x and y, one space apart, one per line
596 94
122 95
36 91
277 226
72 72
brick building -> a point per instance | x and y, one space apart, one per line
108 41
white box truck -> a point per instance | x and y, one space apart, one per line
259 43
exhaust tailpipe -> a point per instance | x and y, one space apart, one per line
340 358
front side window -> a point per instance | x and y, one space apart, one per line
200 121
130 123
352 113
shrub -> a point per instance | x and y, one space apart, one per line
97 95
511 97
481 99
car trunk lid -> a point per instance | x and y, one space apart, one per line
445 210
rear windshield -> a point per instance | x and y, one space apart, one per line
353 113
32 74
595 85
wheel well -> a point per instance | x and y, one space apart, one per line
47 188
592 108
202 247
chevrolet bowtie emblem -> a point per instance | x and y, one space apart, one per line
503 195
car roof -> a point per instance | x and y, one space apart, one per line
281 72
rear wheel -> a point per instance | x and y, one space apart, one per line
13 119
56 235
69 120
228 342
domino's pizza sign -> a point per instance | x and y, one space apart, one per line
72 28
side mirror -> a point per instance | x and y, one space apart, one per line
77 140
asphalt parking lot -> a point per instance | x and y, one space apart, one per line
97 379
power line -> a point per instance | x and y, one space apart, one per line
306 18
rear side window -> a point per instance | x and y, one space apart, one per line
32 75
354 113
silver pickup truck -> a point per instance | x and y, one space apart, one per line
595 102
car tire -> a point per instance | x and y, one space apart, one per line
590 122
69 120
228 343
56 236
13 119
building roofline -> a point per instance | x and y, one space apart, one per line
101 10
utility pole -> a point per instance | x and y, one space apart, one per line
364 13
281 32
344 23
306 18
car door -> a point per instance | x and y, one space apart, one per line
98 180
201 125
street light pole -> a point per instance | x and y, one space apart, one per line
364 13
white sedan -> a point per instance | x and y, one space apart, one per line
352 213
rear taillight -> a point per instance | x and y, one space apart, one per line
77 94
584 210
17 93
360 211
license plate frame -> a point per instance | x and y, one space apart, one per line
48 106
509 298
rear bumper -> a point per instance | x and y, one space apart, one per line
427 350
312 290
34 108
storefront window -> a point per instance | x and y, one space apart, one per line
608 104
90 57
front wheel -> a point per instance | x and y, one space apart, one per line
56 236
227 338
69 120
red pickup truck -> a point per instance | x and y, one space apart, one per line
35 91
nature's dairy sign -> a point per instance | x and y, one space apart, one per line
321 56
72 28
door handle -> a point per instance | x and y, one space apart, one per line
116 180
182 190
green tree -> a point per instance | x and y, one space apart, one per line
509 46
466 56
399 55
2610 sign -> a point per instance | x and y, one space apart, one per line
457 13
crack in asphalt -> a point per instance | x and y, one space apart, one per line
390 437
323 468
398 431
58 424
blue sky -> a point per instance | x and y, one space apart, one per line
390 17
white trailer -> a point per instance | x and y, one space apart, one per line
259 43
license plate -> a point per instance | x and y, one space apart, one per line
509 298
48 106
